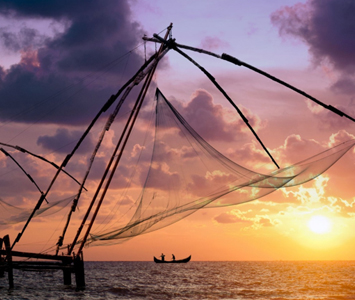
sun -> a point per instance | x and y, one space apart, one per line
320 224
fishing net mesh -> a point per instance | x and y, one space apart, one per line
186 174
10 214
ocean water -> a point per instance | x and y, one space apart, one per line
194 280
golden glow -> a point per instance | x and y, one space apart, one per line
320 224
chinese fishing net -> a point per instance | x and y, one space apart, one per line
187 174
10 214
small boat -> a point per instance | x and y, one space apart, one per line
180 261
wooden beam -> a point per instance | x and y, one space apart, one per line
63 258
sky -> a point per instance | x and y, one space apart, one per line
61 61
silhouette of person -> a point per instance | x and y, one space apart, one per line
162 257
173 257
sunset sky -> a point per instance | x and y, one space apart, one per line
61 61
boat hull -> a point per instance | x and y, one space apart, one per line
180 261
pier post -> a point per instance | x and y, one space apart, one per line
9 261
79 271
67 275
2 262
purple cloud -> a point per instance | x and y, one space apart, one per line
328 28
208 118
24 39
213 43
95 33
329 120
64 140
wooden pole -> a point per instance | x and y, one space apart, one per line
79 271
2 263
213 80
238 62
22 169
67 276
9 261
23 150
138 105
105 107
133 79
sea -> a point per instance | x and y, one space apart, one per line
194 280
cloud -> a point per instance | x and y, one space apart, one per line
168 180
329 120
94 34
266 221
126 200
328 28
211 121
24 39
136 150
213 43
17 181
122 179
288 153
233 216
340 137
14 179
315 197
250 155
344 85
238 216
294 144
311 195
64 140
200 185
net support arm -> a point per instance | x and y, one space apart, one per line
23 150
238 62
171 44
158 39
149 72
40 201
23 170
135 80
213 80
104 108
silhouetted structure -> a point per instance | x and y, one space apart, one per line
152 214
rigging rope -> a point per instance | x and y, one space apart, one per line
23 150
10 214
23 170
213 80
136 79
134 169
129 125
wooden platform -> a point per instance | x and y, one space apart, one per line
40 262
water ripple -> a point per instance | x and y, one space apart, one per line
332 280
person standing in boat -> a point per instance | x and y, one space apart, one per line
162 257
173 257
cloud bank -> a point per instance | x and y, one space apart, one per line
95 33
328 28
